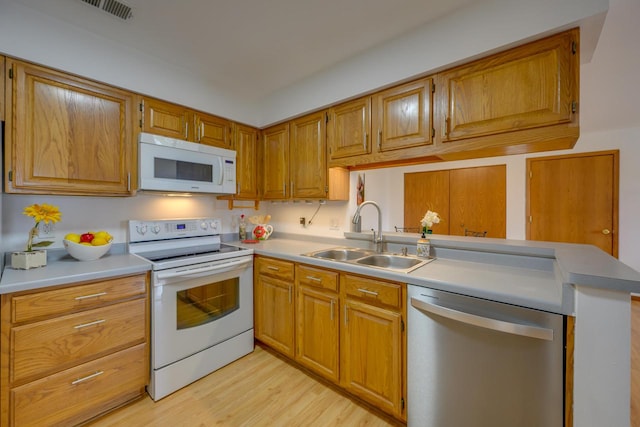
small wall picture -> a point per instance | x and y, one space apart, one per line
360 189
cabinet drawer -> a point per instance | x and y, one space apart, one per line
83 392
373 291
54 344
75 298
275 268
317 278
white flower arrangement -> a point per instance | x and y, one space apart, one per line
429 219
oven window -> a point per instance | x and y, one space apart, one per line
204 304
177 169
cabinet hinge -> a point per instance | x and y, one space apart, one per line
10 73
402 325
326 189
574 47
142 106
140 123
433 88
574 106
402 402
326 117
10 175
433 132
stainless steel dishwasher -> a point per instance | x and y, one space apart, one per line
476 363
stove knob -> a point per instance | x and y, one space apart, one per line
203 225
214 225
155 229
142 229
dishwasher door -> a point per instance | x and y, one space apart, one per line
476 363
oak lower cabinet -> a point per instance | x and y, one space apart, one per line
274 306
318 332
373 341
67 135
72 353
349 329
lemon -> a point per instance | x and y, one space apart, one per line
98 241
85 243
102 235
72 237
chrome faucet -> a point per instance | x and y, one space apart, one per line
377 238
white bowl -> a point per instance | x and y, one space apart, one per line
85 252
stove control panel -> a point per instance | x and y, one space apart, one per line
148 230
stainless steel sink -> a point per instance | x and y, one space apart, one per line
341 254
397 262
368 258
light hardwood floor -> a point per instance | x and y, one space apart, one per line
258 390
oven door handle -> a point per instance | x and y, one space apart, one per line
203 271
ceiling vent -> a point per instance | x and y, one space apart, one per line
112 7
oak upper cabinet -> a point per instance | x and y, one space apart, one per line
246 145
402 116
349 129
212 130
307 151
317 319
532 89
67 135
373 341
274 307
275 162
164 118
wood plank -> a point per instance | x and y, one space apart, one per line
258 390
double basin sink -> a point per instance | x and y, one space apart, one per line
367 258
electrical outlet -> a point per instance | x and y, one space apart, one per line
303 221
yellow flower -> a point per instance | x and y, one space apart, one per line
44 212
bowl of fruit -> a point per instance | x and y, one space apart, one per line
87 246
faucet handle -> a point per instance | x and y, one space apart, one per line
404 251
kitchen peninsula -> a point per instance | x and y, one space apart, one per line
578 281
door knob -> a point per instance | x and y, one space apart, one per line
606 231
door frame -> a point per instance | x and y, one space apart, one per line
616 189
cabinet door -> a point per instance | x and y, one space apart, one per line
246 146
317 332
67 135
166 119
402 116
212 130
371 355
349 131
274 314
531 86
425 191
308 157
478 200
275 162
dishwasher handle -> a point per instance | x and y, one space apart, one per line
484 322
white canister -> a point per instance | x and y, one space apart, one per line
424 248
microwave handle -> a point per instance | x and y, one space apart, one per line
222 170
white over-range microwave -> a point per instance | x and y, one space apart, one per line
172 165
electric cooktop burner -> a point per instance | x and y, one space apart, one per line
174 254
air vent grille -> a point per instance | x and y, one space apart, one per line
112 7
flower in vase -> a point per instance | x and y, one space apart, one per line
41 212
428 220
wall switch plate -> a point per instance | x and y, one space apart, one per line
303 221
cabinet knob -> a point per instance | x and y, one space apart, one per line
606 231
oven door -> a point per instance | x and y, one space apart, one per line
198 306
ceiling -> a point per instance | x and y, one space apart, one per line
252 46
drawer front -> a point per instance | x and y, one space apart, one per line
75 298
274 268
373 291
80 393
317 278
51 345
